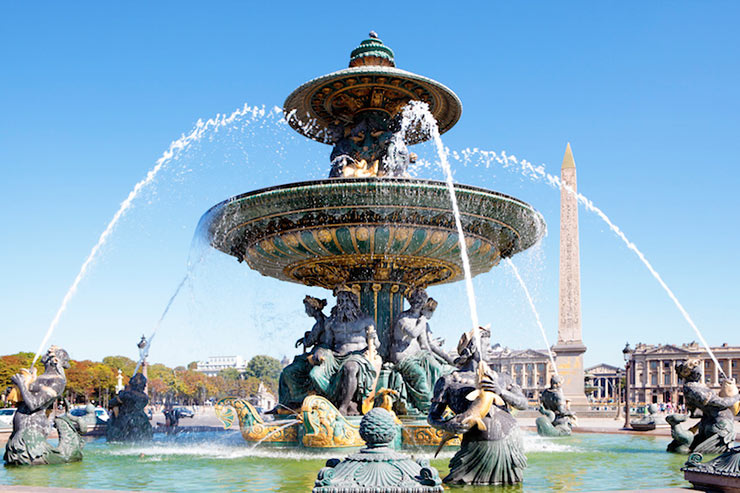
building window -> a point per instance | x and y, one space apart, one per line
653 379
666 379
653 365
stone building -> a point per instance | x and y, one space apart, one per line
605 383
653 378
214 364
530 368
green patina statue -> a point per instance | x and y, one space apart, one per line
129 422
492 451
27 444
416 360
715 432
345 365
377 468
295 382
557 417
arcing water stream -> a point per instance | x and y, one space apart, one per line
175 149
418 113
536 314
538 173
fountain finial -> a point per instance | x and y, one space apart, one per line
373 52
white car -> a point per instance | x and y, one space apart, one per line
6 417
100 413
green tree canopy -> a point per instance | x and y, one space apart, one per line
229 374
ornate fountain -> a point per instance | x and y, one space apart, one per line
370 233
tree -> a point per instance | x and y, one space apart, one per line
264 368
193 365
229 374
126 365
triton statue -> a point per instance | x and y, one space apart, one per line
492 451
347 371
715 432
295 384
558 418
27 444
128 421
417 361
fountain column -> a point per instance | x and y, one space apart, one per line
570 348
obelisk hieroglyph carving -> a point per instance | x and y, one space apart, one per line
570 348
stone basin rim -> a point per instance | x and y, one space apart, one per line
374 181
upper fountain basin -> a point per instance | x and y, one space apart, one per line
331 232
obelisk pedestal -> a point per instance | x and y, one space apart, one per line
570 348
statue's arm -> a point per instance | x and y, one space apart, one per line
722 402
437 410
40 399
436 348
314 335
512 394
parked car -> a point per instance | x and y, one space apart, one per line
101 414
184 412
6 417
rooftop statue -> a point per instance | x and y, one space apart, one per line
27 444
128 421
715 432
492 451
346 371
416 360
558 418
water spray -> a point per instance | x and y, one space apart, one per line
176 148
538 173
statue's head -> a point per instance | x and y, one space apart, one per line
313 305
417 298
56 357
556 381
467 348
689 370
428 307
347 308
137 382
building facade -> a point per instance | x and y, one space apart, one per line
652 373
605 383
214 364
530 368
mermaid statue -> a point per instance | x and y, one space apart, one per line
27 444
715 432
557 419
491 451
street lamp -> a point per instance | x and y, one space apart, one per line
627 353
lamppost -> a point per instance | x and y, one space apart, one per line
627 353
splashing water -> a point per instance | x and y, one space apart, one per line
145 350
534 310
417 112
538 173
174 150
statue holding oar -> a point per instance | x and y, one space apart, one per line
491 451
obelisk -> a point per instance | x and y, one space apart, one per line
570 348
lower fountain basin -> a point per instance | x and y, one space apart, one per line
329 232
222 462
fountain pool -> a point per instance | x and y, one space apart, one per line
223 462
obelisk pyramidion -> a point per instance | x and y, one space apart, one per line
570 348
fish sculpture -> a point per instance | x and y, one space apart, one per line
482 400
728 388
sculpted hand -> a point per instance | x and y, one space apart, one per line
456 425
490 385
18 379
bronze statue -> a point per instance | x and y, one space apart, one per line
347 371
492 451
27 444
416 360
715 432
128 421
557 419
294 384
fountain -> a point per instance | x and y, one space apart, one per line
373 236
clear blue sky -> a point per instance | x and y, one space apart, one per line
93 93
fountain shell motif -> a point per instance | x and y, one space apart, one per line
345 231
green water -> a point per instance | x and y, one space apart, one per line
223 462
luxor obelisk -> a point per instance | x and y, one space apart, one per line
570 348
